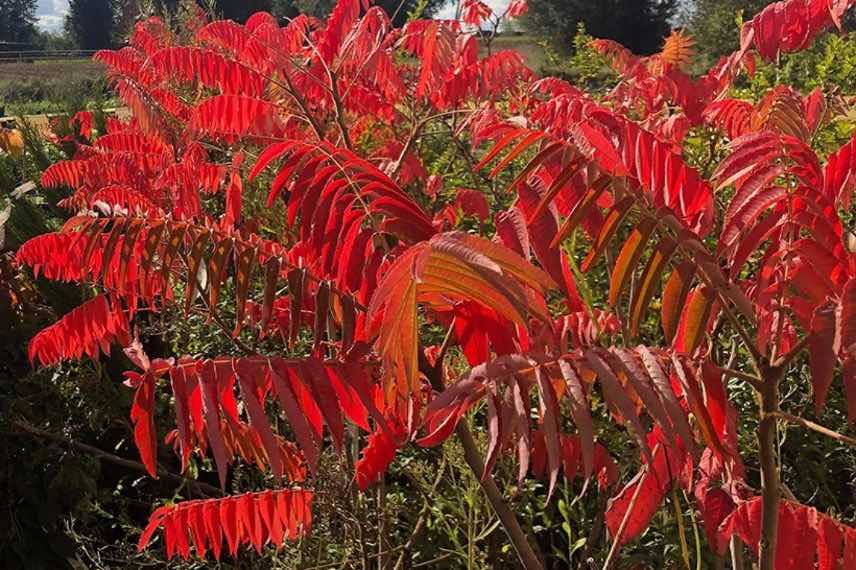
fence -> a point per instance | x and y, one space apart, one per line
30 56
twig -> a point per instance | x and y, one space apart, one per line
340 113
301 102
750 378
414 133
785 360
814 426
101 454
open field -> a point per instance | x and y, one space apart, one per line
47 86
66 70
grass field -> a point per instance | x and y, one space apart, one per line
48 86
47 70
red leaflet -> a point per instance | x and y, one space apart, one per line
603 468
821 353
209 68
542 231
595 146
142 415
473 203
730 115
715 506
517 8
839 177
846 332
377 455
314 375
715 398
848 373
478 330
341 19
122 198
208 382
65 173
249 393
249 519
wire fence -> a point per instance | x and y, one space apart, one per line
31 56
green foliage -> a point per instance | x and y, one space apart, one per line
830 63
715 25
583 66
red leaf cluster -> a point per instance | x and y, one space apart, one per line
87 330
378 453
791 25
806 537
256 519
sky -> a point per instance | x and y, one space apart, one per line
448 10
51 13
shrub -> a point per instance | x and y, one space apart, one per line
272 182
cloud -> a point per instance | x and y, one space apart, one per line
50 14
448 10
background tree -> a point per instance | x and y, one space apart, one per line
17 21
639 25
91 23
399 8
714 24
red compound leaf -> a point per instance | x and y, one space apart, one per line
251 519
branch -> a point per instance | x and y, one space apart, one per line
815 427
298 98
200 486
750 378
414 133
340 113
785 360
771 491
518 538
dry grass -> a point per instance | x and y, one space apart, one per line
67 70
